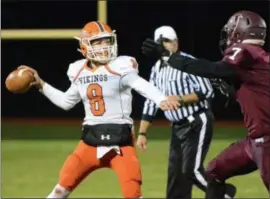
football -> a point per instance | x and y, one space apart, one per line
18 81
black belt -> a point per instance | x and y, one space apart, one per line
189 118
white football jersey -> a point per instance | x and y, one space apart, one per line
106 99
104 91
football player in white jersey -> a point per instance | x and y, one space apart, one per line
103 81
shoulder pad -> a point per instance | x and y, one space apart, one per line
237 55
124 64
74 68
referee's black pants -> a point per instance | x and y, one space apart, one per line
189 145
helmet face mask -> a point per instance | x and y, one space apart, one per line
223 43
101 50
228 37
98 43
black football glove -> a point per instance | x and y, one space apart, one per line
224 89
220 85
155 50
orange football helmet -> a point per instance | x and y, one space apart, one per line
94 31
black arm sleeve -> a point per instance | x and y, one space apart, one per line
202 67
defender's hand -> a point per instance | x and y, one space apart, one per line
169 105
142 142
153 49
39 83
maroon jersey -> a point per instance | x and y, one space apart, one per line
253 92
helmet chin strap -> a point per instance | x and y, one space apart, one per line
254 41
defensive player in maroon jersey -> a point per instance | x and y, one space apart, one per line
247 65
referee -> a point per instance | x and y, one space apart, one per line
192 124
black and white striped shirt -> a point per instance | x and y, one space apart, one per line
174 82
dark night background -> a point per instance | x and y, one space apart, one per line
198 24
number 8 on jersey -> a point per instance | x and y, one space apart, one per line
95 96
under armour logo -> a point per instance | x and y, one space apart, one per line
105 137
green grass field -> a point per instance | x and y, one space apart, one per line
32 156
